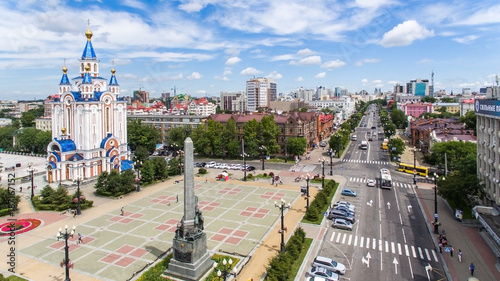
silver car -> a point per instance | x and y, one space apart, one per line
329 264
318 271
342 224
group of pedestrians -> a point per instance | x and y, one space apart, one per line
443 243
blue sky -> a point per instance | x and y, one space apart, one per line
202 47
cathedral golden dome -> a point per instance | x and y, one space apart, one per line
88 33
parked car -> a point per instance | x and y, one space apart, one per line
342 224
349 192
322 143
345 209
338 214
329 264
371 182
315 278
318 271
211 164
223 166
343 203
248 168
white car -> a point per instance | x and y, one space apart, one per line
211 164
236 167
371 182
223 166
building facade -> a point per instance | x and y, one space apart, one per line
89 124
260 91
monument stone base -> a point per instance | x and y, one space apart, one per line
191 259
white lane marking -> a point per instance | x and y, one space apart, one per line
356 241
380 245
333 235
374 243
427 254
407 251
338 238
350 240
420 253
413 252
386 246
393 248
361 242
343 238
399 249
435 256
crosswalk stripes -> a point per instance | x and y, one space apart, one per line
396 184
384 245
366 162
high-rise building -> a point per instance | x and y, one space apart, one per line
259 93
89 123
418 87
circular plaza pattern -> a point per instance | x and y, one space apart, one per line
18 226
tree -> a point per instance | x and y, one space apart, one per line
389 129
269 132
142 135
396 147
456 152
462 185
429 99
398 117
28 119
160 168
7 200
296 146
250 131
469 119
141 154
177 135
26 139
148 171
6 138
448 100
43 138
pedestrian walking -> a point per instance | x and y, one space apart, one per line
122 212
440 248
459 255
80 241
176 198
451 250
20 189
74 213
471 268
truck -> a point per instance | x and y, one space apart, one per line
363 145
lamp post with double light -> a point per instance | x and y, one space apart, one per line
436 223
66 235
415 165
31 170
308 178
331 152
225 271
282 206
262 149
78 207
138 165
244 155
322 161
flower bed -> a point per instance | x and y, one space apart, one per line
19 226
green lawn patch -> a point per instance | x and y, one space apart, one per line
298 262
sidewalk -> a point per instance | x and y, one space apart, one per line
467 239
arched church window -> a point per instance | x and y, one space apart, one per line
95 67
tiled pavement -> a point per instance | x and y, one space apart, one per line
237 216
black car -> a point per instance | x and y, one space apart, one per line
200 165
250 168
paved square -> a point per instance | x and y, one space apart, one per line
236 218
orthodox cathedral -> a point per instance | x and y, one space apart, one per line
89 124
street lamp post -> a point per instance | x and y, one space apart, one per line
331 152
415 165
138 165
436 224
31 170
262 151
226 269
66 235
282 206
307 191
244 155
322 161
78 207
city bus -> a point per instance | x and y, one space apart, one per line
385 179
407 168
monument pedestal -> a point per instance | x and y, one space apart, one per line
191 259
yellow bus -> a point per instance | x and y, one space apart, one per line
407 168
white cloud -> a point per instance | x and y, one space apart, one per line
426 61
320 75
487 15
202 92
299 79
227 71
233 61
364 81
333 64
466 40
192 6
250 71
307 61
274 75
405 33
305 52
378 81
282 57
194 76
360 63
134 4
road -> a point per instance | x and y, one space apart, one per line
389 240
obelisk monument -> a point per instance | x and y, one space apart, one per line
191 259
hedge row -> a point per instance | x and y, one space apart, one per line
320 202
280 266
